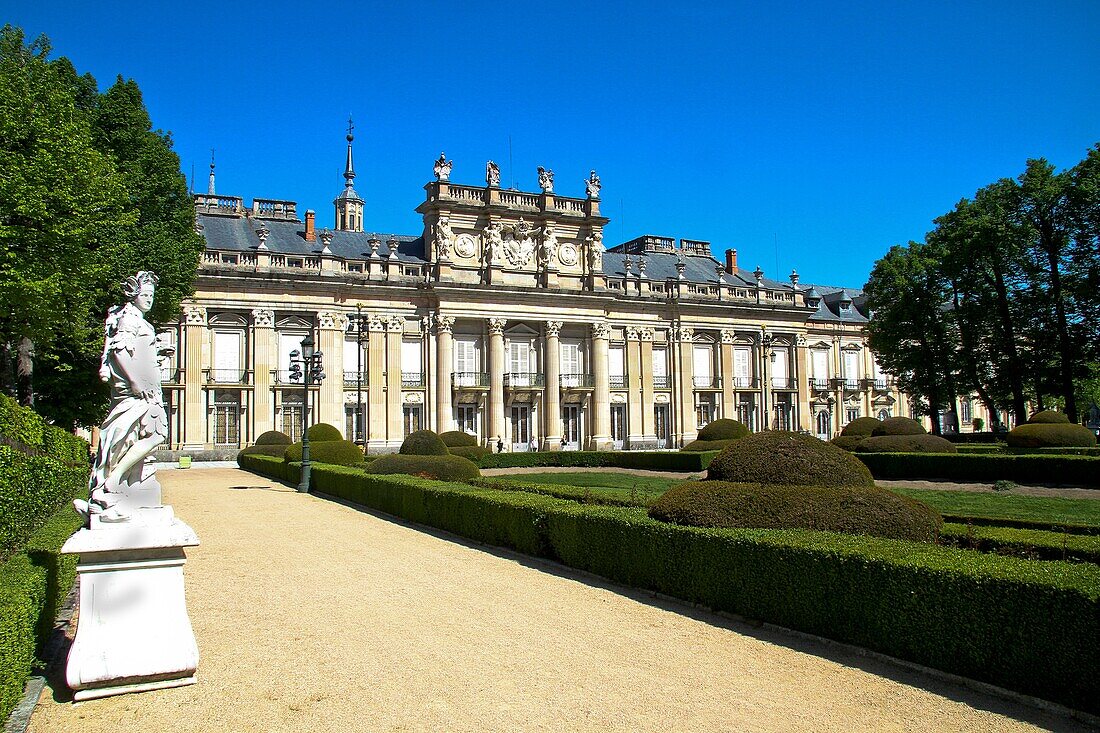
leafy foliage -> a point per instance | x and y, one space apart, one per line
649 460
703 446
1027 469
474 452
905 444
723 429
861 426
442 467
336 452
1049 435
899 426
1048 417
778 457
274 437
423 443
457 439
323 432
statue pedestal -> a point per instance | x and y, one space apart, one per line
133 632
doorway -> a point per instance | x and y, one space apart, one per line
571 427
521 428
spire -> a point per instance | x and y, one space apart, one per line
349 207
349 169
210 186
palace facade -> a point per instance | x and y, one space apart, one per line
506 317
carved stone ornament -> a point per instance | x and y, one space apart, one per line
263 318
800 340
645 333
553 329
492 175
444 238
631 333
520 242
377 323
492 239
568 254
332 320
412 398
595 251
395 323
549 246
601 330
443 168
465 245
496 326
687 333
546 180
728 336
194 315
592 186
444 324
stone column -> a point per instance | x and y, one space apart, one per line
444 348
194 411
551 430
376 383
726 369
330 394
496 381
838 393
688 431
395 432
645 359
264 359
633 389
802 359
601 417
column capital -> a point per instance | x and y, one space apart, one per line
553 329
332 321
263 318
601 330
800 340
685 333
194 315
496 326
395 324
632 333
645 333
444 324
729 336
376 323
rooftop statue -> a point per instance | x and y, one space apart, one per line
595 251
549 246
592 186
493 238
443 168
136 423
546 180
444 238
492 174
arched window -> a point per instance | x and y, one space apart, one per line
822 424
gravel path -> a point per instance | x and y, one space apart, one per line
314 616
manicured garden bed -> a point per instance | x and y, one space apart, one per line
1037 512
647 460
1031 469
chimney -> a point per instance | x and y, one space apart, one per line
731 261
310 219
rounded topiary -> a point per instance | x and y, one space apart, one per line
322 432
701 446
457 438
423 443
474 452
337 452
1050 435
276 451
899 426
779 457
1048 417
905 444
852 510
848 442
443 468
861 426
723 429
274 437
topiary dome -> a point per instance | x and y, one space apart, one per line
457 439
423 443
443 468
723 429
861 426
336 452
779 457
1050 435
905 444
1048 417
899 426
273 437
322 432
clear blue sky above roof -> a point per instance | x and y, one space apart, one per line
831 129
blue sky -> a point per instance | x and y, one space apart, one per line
832 129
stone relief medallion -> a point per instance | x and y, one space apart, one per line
465 245
568 254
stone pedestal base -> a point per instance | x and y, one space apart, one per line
133 632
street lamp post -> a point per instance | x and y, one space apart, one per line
766 355
306 365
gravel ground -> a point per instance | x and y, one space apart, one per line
314 616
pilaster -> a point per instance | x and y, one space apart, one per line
802 360
496 429
444 366
601 417
551 429
194 411
645 355
634 375
330 393
727 372
395 432
264 359
687 430
376 384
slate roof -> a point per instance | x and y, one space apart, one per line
288 237
829 308
661 266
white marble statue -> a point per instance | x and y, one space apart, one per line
493 239
592 186
492 175
549 246
546 180
444 238
443 168
136 423
595 251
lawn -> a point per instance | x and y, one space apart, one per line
1038 509
655 485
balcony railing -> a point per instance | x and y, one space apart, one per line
707 382
746 382
353 377
524 379
821 384
227 376
285 376
881 384
171 376
468 380
662 381
784 383
852 385
412 379
617 381
577 381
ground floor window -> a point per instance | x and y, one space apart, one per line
411 418
704 411
821 424
466 419
965 411
571 427
353 422
618 426
520 423
783 412
851 414
746 414
660 425
227 418
291 416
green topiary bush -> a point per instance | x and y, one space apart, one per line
700 446
473 452
905 444
440 467
1050 435
1048 417
274 437
899 426
852 510
323 432
336 452
723 429
457 439
423 443
861 426
848 442
779 457
276 450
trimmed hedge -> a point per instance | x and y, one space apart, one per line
974 437
270 450
723 429
457 439
445 468
322 432
646 460
470 452
861 427
780 457
1050 435
33 584
984 448
25 430
31 490
1010 622
274 437
853 510
702 446
905 444
1048 417
337 452
423 443
848 442
899 426
1027 543
1031 469
582 494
